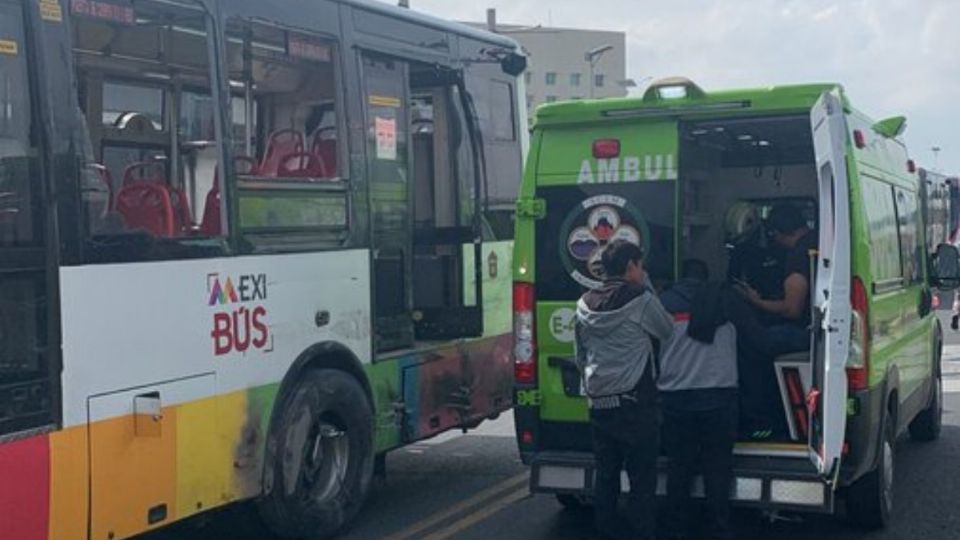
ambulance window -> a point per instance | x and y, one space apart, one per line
907 225
882 226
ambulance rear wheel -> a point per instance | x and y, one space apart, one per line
927 425
320 456
870 499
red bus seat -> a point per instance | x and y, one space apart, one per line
145 171
281 143
155 173
302 165
147 206
210 226
324 144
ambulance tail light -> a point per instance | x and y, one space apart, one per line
524 334
858 363
606 148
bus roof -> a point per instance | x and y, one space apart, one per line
434 22
678 97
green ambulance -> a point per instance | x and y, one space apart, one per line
691 174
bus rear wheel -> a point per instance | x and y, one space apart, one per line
320 459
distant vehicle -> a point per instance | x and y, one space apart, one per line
682 172
234 264
942 208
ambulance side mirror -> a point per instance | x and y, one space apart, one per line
945 268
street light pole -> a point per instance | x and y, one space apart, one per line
592 57
936 156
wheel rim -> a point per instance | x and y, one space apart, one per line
886 486
325 460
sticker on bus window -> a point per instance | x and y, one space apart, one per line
107 11
308 48
51 11
385 101
386 129
9 48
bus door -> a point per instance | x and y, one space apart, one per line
386 105
447 239
27 277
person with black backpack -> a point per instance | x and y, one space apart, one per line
698 386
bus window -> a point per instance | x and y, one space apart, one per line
291 176
18 225
145 74
24 378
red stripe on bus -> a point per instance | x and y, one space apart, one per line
25 488
681 317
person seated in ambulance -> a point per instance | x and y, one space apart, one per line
751 257
787 330
789 230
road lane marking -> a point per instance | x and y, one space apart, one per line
472 519
433 520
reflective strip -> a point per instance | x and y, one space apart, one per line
553 477
606 402
794 492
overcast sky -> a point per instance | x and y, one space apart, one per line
893 56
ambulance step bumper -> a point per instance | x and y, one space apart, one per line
774 483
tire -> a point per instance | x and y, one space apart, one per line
320 456
573 503
870 499
927 425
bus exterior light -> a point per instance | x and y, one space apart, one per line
524 334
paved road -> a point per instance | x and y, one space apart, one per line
473 487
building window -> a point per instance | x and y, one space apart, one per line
577 98
528 77
575 79
530 101
551 99
598 80
551 78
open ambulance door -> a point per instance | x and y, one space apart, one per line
831 293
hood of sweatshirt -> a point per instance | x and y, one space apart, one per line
603 310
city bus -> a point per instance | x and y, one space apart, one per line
692 174
246 249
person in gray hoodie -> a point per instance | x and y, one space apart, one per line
615 328
698 385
